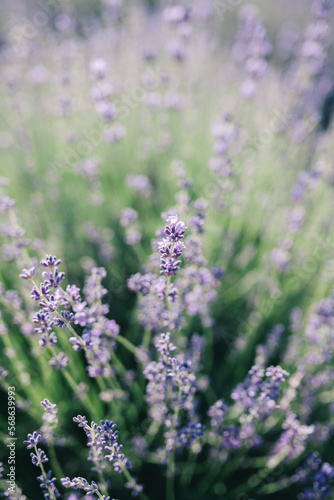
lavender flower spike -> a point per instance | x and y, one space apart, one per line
171 247
32 440
50 261
47 482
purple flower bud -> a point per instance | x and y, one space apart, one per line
27 274
32 440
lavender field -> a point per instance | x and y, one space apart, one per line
166 250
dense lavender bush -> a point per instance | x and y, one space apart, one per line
167 250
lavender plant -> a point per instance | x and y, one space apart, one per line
195 354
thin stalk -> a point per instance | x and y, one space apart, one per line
171 459
134 387
54 461
86 402
99 495
128 345
147 337
52 496
130 479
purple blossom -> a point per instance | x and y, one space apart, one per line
251 46
88 168
27 274
217 413
101 91
47 482
6 203
293 439
128 217
171 387
114 133
102 441
132 236
106 109
281 258
171 247
67 317
98 68
175 229
175 14
32 440
296 319
165 346
80 483
318 475
267 350
55 278
260 390
59 361
50 261
141 283
139 183
189 433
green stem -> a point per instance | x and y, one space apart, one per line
189 469
52 496
147 337
86 402
270 488
134 388
152 432
208 479
256 479
127 344
130 479
209 349
102 481
168 282
171 459
104 487
19 373
71 329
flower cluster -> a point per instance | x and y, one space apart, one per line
128 221
251 48
16 243
293 440
97 339
103 448
255 400
318 475
80 483
47 482
171 388
307 181
101 239
259 392
162 303
139 183
50 420
171 247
